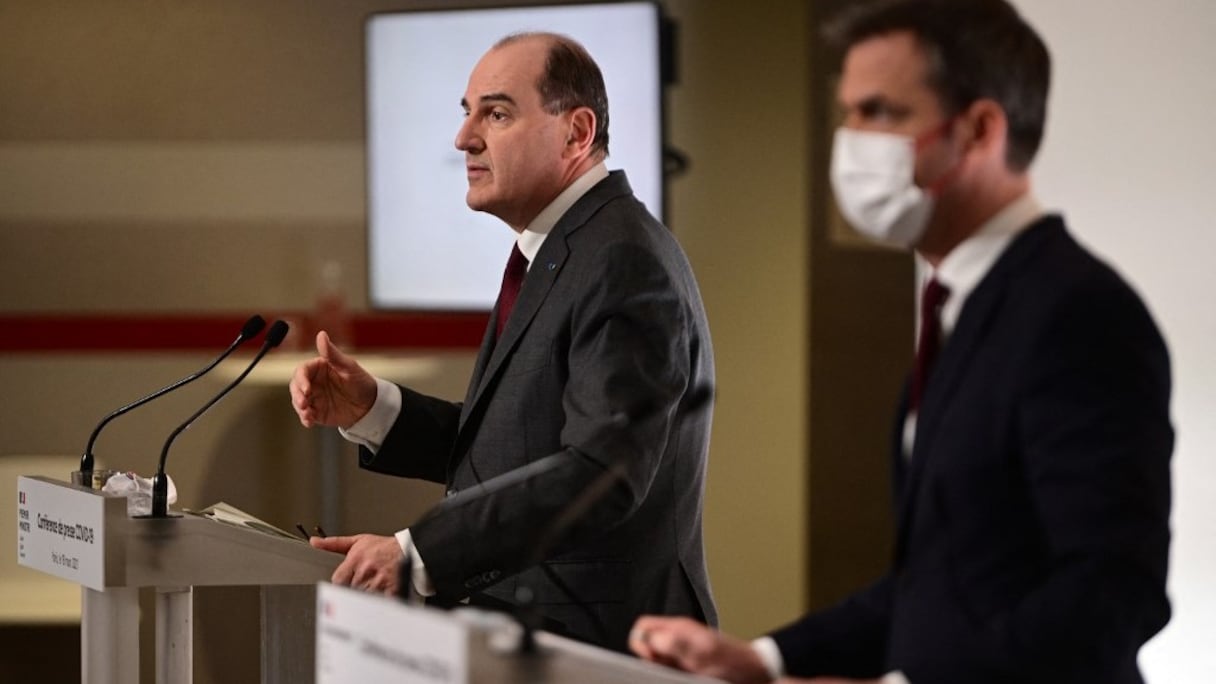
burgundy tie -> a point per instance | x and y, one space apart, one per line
512 279
931 302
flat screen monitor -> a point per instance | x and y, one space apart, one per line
428 250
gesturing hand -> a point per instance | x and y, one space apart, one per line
331 389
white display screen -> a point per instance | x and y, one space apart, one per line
428 250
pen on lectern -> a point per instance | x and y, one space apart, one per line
316 531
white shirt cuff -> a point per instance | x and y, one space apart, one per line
372 428
770 655
418 577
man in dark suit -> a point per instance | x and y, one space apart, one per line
576 465
1031 450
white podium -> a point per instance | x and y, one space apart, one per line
85 536
311 631
371 639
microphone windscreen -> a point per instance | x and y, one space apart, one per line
278 330
253 326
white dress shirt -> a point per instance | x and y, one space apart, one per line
963 269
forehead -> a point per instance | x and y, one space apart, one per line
513 69
890 65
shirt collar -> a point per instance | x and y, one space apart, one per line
533 236
967 264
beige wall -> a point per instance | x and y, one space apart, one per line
740 112
206 155
1133 176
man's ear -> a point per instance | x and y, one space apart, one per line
581 131
987 126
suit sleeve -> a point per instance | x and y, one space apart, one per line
420 441
629 368
1097 443
848 639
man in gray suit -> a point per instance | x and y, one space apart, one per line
576 465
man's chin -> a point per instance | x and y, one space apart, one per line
478 202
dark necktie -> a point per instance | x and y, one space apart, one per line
927 346
512 279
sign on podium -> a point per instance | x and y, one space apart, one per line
62 531
85 536
371 639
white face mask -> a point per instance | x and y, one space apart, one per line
873 180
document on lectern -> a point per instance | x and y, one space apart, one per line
227 513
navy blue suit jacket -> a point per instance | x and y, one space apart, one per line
1033 513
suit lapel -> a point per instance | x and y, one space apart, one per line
542 274
537 285
479 368
975 320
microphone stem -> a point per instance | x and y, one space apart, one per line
160 483
87 459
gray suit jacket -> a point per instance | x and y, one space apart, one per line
604 374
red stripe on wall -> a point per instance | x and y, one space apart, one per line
89 333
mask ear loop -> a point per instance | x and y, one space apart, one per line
938 185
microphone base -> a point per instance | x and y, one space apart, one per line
149 516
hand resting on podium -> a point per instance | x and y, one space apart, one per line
372 562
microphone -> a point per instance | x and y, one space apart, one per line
160 484
595 491
579 508
592 485
252 327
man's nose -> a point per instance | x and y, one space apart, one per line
467 139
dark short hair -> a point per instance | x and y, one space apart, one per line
571 79
976 49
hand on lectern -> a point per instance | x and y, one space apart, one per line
694 647
372 562
331 389
829 680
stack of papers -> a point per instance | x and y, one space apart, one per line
227 513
